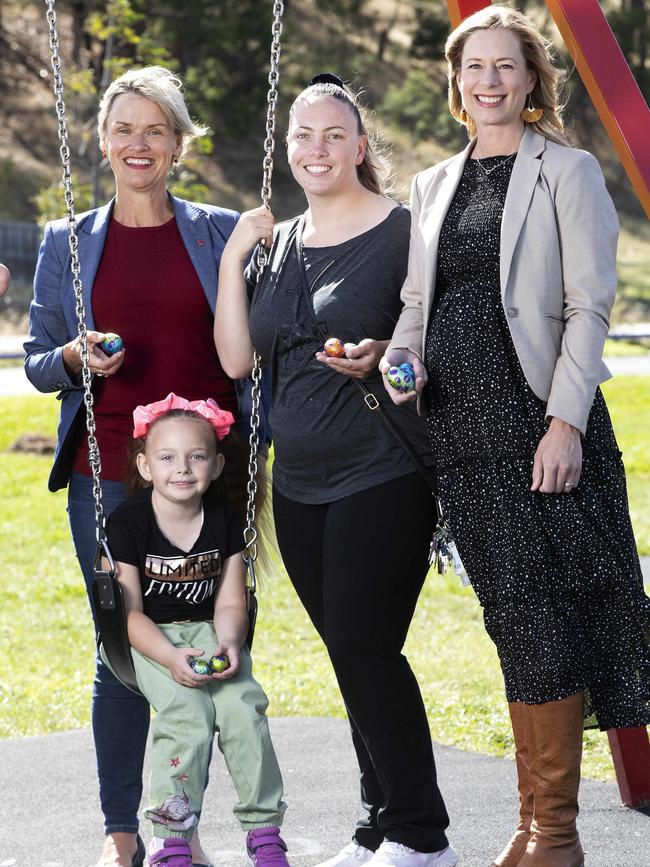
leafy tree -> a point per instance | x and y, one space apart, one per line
431 31
16 189
420 106
346 8
50 203
224 60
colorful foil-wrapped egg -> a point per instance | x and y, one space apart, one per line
334 348
401 378
219 663
199 666
111 343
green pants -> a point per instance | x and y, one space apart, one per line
183 730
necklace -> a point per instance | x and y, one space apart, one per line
498 165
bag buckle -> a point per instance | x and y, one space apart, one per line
371 401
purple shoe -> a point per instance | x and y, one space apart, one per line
266 848
176 852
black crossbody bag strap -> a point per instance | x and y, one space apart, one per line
442 550
370 399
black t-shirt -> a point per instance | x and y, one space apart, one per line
327 443
176 584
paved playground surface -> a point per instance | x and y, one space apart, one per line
51 818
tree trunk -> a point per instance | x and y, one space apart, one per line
384 33
78 11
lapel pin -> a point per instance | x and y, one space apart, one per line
200 242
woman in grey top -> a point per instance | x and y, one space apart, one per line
353 517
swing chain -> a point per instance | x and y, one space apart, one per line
93 448
272 100
250 533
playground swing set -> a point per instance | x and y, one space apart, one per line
626 118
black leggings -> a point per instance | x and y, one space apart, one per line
358 565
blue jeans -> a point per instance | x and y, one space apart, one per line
120 718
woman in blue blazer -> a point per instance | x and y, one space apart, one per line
149 264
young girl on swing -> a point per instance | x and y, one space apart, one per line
177 549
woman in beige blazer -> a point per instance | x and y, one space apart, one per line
512 275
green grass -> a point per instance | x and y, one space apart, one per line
628 398
46 643
626 348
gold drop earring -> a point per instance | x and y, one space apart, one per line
530 114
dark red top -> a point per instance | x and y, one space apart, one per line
147 291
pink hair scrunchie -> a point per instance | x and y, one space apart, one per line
144 416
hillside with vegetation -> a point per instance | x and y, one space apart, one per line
389 49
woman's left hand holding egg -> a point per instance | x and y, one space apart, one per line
360 359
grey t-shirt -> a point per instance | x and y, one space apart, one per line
328 444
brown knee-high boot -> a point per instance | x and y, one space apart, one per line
524 748
555 768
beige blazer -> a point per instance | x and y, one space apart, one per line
558 268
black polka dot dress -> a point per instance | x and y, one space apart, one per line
557 574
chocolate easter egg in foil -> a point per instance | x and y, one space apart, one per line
200 666
401 378
219 663
334 348
111 344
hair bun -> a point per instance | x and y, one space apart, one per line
327 78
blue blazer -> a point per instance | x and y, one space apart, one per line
52 316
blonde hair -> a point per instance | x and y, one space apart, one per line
374 169
160 86
538 55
